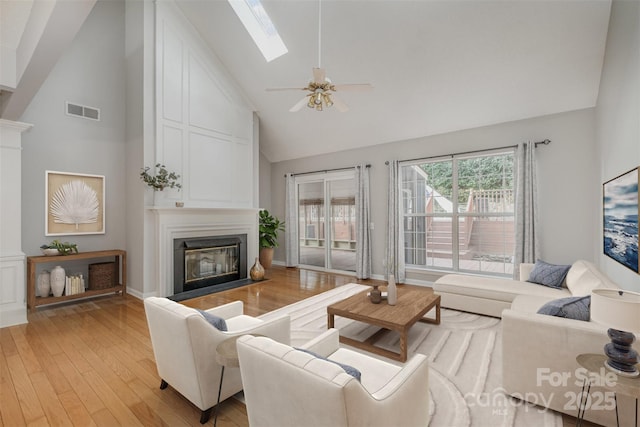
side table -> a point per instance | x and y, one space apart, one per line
226 355
594 363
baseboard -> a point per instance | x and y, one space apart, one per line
13 317
136 293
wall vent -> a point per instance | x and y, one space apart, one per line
82 111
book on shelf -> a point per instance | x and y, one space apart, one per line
74 285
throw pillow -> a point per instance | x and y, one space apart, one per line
547 274
576 308
354 372
217 322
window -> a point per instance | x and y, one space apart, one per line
458 213
259 26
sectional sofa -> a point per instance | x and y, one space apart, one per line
490 296
539 351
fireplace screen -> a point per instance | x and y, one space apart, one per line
210 262
206 261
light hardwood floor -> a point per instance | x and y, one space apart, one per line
91 362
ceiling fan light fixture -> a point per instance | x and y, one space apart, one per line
320 88
327 99
319 100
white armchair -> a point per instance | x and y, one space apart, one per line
184 345
286 387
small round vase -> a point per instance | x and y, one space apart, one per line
44 283
375 295
58 279
257 271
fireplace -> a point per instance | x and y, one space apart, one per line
208 261
171 224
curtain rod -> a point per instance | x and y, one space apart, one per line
544 142
327 170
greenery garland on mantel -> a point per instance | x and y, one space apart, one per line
162 178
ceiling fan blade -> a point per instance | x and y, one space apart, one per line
319 75
359 87
339 104
299 104
276 89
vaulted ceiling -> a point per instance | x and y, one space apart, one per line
436 66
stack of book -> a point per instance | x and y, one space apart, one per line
74 285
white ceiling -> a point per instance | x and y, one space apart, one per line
436 66
13 19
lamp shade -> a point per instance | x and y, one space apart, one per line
616 308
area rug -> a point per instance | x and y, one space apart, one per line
464 354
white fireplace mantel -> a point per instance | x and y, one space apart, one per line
177 223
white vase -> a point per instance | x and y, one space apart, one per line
392 291
58 279
44 283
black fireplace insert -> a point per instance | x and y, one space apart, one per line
206 261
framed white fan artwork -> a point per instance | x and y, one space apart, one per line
75 204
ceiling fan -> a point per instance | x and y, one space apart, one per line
321 90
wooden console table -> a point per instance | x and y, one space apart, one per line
32 261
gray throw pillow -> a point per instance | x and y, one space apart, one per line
355 373
550 275
217 322
576 308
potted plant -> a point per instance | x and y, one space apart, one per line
269 228
57 247
162 178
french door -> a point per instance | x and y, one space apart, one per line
326 220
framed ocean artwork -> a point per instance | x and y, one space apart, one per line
620 206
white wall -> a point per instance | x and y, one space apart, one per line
91 72
140 136
265 183
618 116
568 186
204 126
111 65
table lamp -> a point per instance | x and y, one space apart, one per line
620 310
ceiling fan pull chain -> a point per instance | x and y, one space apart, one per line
319 33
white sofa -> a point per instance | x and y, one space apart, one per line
539 351
490 296
539 361
284 387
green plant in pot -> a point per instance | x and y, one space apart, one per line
57 247
269 228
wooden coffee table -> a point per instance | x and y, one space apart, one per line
413 303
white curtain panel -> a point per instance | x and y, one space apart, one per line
363 219
527 247
291 221
395 228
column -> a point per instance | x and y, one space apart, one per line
13 306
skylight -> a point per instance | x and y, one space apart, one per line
259 25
